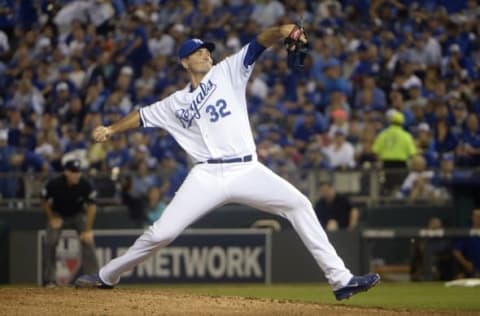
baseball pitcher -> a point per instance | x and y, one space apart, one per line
209 119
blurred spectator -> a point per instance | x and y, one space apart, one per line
333 80
439 255
118 155
59 101
418 112
415 97
418 184
426 50
468 150
104 69
46 143
425 145
28 98
143 179
455 64
72 139
26 161
97 154
307 127
137 51
173 173
446 175
369 63
21 132
444 139
340 152
4 44
338 101
8 186
459 115
162 43
268 13
339 122
394 146
156 204
364 155
75 113
467 251
398 104
314 158
335 211
379 101
78 74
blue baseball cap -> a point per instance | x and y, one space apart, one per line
191 45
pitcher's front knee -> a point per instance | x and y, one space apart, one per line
300 203
163 237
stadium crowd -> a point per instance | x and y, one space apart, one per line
67 66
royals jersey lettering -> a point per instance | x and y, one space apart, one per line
212 120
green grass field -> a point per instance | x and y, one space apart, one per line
426 296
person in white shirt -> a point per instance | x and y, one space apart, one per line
340 152
418 183
209 119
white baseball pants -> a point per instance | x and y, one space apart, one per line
209 186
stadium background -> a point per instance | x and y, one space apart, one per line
66 66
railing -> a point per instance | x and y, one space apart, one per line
365 187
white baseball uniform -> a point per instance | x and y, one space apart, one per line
211 124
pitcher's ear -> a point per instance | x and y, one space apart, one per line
184 63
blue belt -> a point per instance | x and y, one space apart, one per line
229 160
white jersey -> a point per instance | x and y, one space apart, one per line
211 121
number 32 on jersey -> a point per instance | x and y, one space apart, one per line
217 111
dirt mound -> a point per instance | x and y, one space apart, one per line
127 301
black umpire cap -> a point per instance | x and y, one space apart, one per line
72 165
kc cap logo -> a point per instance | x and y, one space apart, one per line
191 45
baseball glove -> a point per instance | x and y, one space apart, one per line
296 48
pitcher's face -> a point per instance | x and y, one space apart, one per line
199 61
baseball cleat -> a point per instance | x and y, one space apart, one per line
356 285
91 281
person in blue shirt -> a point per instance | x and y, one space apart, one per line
333 80
118 156
306 127
379 98
466 252
444 140
424 142
468 150
137 51
174 173
27 161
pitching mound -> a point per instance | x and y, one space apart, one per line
69 301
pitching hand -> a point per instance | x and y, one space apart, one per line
101 133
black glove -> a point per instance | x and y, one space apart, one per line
296 49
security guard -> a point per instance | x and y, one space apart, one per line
69 202
394 146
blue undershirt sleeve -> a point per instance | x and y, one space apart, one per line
253 52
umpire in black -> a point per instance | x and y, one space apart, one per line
69 202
